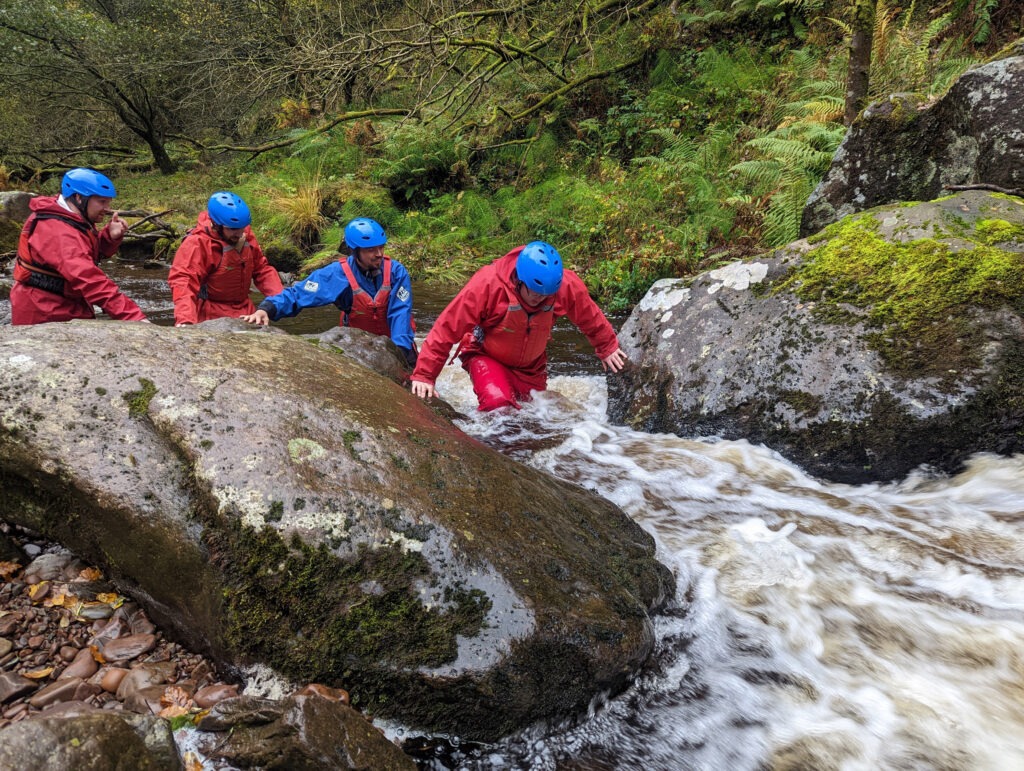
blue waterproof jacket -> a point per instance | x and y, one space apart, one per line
328 285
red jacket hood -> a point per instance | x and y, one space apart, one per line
505 267
47 204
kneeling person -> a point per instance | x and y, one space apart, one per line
373 291
217 263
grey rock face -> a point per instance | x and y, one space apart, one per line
732 356
897 151
101 741
270 500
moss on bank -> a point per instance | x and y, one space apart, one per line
918 296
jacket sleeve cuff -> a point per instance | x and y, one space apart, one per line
270 309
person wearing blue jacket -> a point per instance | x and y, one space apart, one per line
373 291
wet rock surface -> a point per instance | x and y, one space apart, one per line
265 499
850 392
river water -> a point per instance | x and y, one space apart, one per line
815 625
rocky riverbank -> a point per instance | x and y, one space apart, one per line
71 646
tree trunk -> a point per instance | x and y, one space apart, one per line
160 157
859 69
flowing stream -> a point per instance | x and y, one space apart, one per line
815 625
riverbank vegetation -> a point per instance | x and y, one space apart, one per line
643 138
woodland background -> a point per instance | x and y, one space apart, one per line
643 138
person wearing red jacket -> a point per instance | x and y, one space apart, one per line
56 275
216 264
503 318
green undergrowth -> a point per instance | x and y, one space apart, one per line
918 296
702 155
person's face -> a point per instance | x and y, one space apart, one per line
97 208
231 235
531 298
369 257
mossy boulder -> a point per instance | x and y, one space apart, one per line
270 500
898 150
892 340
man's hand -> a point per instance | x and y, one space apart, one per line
614 361
258 317
423 390
117 227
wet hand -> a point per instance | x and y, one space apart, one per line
614 361
258 317
423 390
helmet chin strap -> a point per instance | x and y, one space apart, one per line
81 207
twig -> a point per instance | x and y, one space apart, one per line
147 219
985 186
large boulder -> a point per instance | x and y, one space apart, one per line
896 339
900 151
270 500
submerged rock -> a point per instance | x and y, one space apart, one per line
272 501
895 340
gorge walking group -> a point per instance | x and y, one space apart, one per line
501 320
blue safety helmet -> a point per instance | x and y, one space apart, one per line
363 231
86 182
228 210
539 267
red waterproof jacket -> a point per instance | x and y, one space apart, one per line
56 277
210 279
488 317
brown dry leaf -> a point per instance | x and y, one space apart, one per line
8 569
54 601
38 674
192 762
65 621
112 599
97 655
175 695
90 574
172 710
37 589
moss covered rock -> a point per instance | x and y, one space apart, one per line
270 500
895 339
899 151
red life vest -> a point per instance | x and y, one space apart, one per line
370 314
45 278
521 338
231 277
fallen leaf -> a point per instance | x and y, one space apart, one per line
38 674
172 710
8 569
175 695
97 654
54 601
192 762
90 574
38 590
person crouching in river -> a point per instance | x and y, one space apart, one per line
503 318
217 263
56 275
373 291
